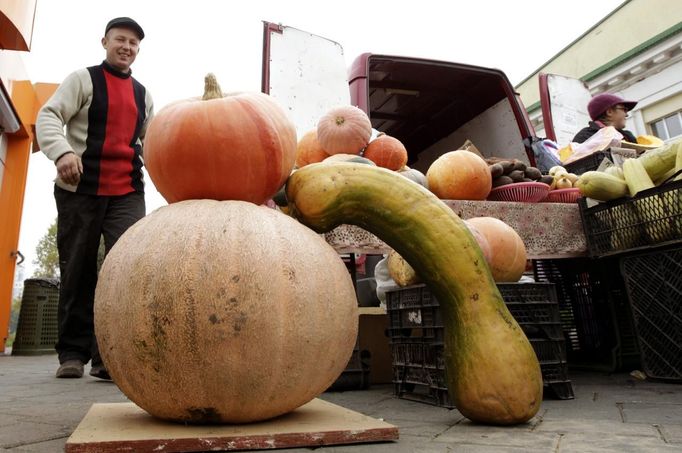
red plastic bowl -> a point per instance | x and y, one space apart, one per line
526 192
563 196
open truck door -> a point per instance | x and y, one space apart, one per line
305 73
564 106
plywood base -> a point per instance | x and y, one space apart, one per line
125 427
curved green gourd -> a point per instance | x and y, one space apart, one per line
492 371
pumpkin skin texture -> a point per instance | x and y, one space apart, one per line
309 150
206 312
238 147
492 372
460 175
507 250
387 152
344 130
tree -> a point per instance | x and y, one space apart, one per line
47 256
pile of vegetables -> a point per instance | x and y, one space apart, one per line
649 170
215 310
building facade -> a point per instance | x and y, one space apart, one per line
636 52
20 101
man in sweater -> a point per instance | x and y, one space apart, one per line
99 189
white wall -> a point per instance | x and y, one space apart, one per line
494 132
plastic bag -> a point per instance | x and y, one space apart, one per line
545 152
604 138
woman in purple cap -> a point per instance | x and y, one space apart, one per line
607 109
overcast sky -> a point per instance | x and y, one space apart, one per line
186 39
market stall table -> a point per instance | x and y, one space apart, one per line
549 230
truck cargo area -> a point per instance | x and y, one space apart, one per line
433 107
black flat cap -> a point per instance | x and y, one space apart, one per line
125 22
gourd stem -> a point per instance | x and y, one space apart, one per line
211 88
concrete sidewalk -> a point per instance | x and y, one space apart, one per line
613 413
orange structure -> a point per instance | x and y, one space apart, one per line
20 101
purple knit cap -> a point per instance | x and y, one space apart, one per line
602 102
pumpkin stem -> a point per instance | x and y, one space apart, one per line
340 120
212 89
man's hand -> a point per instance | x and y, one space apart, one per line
70 168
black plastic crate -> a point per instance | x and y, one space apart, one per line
651 218
595 316
356 374
594 160
654 286
416 337
414 313
588 163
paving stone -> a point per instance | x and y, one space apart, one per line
581 409
652 413
607 442
597 427
472 434
24 432
672 433
50 446
420 429
37 407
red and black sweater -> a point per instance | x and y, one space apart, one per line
105 113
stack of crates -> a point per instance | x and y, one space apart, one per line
654 285
595 315
416 336
641 238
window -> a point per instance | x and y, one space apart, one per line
668 127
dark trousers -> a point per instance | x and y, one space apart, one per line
81 221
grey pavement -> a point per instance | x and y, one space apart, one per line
610 413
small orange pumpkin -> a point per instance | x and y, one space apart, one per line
507 249
387 152
460 175
344 130
236 147
309 150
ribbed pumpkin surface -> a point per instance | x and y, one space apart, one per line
216 312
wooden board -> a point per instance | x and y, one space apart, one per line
119 427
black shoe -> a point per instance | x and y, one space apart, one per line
99 371
70 369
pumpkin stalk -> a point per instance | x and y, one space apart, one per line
212 89
340 120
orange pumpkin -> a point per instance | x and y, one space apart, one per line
309 150
344 130
208 313
237 147
481 240
460 175
506 248
387 152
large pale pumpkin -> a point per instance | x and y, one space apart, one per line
507 250
308 150
237 147
210 311
459 175
344 130
387 152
